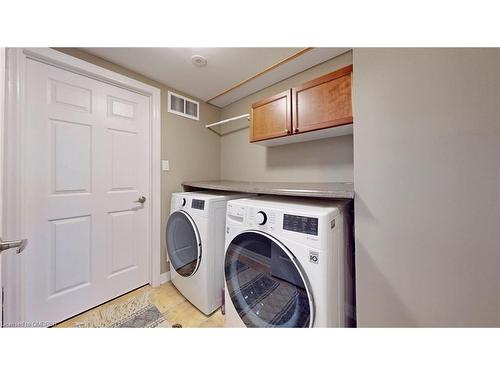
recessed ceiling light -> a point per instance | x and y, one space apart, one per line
198 60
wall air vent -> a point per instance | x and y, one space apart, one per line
182 106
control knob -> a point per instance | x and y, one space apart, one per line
261 218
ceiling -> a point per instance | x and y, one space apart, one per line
226 67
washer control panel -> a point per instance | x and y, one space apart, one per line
274 220
301 224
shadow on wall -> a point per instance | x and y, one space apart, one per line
371 311
315 154
391 311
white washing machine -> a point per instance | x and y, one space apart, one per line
289 262
195 246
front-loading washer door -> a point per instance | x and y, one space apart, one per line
183 243
266 284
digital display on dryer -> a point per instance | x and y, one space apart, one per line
301 224
198 204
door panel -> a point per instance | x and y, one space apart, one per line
71 245
122 243
123 161
271 118
71 146
121 108
183 243
323 102
265 283
75 97
88 162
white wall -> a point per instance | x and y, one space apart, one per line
427 182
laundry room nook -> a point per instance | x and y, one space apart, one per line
240 187
224 203
278 195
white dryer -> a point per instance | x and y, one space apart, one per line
195 246
289 263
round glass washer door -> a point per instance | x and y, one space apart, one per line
183 243
266 283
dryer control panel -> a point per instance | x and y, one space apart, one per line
198 204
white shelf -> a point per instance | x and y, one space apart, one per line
337 131
228 120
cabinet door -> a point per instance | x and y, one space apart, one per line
271 118
323 102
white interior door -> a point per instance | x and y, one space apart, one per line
85 164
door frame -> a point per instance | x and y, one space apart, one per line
13 267
2 127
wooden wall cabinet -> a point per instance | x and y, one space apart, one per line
323 102
271 117
315 106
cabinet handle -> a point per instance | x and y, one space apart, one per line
296 130
287 131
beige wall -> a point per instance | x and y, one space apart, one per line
427 178
326 160
193 150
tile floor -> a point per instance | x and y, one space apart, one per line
174 307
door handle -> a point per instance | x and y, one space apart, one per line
20 244
141 200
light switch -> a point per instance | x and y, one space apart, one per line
165 165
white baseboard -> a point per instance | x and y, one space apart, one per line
165 277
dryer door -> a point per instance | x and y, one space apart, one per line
183 243
266 284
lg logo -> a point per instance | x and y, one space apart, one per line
313 257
